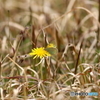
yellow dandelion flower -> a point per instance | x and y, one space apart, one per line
51 45
39 52
51 48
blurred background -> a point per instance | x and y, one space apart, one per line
71 25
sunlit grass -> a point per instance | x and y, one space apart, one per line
62 36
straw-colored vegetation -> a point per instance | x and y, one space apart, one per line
63 38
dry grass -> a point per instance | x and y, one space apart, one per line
73 26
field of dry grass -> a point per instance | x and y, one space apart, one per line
72 26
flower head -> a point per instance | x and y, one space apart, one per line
39 52
51 45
